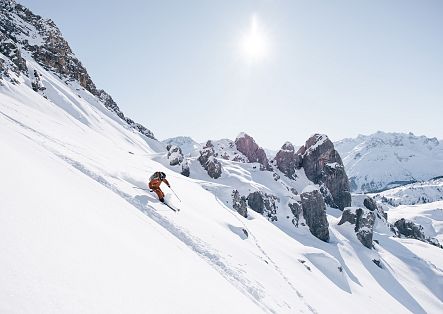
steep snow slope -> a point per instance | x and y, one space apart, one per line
82 232
79 235
384 160
71 245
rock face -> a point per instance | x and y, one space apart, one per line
314 212
209 161
412 230
370 204
23 30
175 155
37 84
264 204
288 161
185 169
323 166
296 209
111 105
364 220
239 203
246 145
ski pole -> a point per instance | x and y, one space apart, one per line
175 194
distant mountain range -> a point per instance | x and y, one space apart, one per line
382 160
375 162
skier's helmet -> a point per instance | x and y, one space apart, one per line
162 175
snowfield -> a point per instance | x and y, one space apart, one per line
77 237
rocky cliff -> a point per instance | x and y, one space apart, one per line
27 35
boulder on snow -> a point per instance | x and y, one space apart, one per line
37 84
239 203
365 201
246 145
185 169
296 209
287 160
264 204
363 220
370 203
314 212
323 166
175 155
209 161
410 229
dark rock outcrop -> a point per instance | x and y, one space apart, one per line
12 51
185 169
288 161
364 221
111 105
370 203
410 230
323 166
264 204
378 263
239 203
314 212
296 209
209 161
23 30
175 155
37 84
246 145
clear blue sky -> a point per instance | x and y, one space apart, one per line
337 67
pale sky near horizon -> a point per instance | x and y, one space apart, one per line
339 67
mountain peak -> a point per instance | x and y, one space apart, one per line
26 35
388 159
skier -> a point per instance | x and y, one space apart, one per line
154 184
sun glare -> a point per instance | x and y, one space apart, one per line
254 43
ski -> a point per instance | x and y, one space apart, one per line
174 209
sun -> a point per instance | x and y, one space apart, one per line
254 43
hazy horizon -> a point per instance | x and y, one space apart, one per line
277 70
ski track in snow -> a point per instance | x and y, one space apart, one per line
197 245
204 250
249 288
277 269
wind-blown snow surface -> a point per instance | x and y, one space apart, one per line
384 160
77 237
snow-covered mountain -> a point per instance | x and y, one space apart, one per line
384 160
416 207
412 194
186 144
78 234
